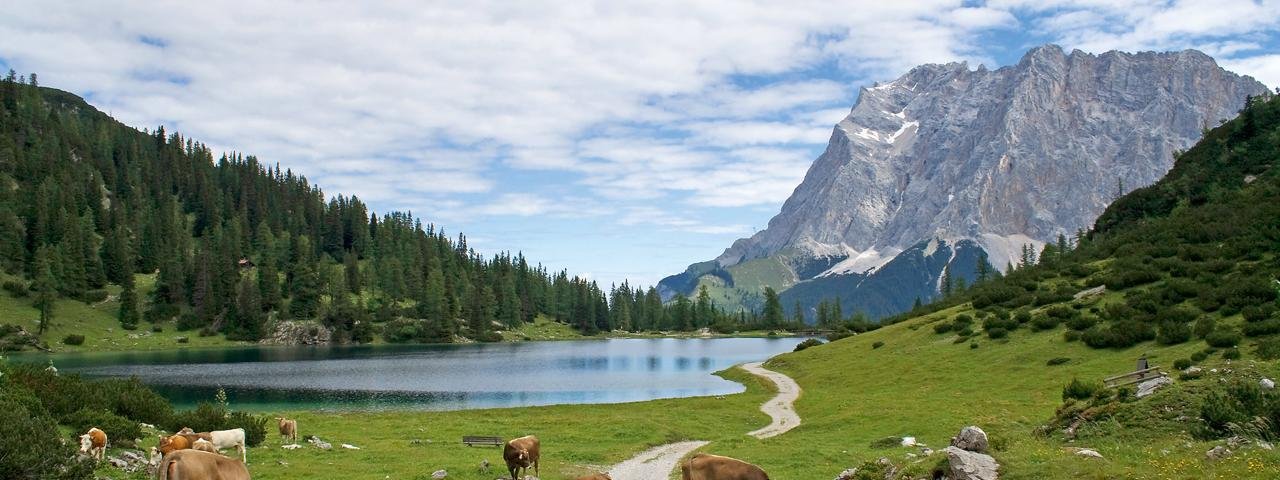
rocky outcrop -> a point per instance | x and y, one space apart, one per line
1001 158
298 333
970 438
966 465
1150 386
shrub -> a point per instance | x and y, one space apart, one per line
1173 332
942 327
1182 363
120 430
960 340
183 339
1253 313
1057 361
1082 322
1223 338
886 442
94 296
157 328
965 332
32 443
16 288
1061 312
963 319
1023 316
1262 328
812 342
878 344
995 322
1079 390
1205 325
1268 349
73 339
211 416
1045 322
1242 407
1199 357
997 333
1232 353
973 345
1071 336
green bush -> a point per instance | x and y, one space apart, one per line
1079 390
1182 363
1232 353
16 288
973 345
1268 349
94 296
942 327
963 319
1082 322
1239 406
1071 336
1205 325
878 344
1023 316
73 339
1262 328
886 442
1045 322
997 332
1057 361
1061 312
211 416
1223 338
1199 357
812 342
1173 332
120 431
31 443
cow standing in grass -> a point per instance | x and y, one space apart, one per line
714 467
198 465
221 440
520 453
94 443
288 429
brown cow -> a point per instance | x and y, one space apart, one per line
203 446
288 429
596 476
198 465
520 453
94 443
714 467
173 443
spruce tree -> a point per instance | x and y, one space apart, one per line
45 287
351 271
128 313
773 317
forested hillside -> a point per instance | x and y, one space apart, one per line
236 243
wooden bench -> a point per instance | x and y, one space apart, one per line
1132 377
471 440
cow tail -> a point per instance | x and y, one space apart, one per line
685 473
168 472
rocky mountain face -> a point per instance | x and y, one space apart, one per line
971 163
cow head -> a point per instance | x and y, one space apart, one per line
523 456
85 443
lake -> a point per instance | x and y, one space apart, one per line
435 377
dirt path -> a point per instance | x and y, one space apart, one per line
780 407
658 462
655 463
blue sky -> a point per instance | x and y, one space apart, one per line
612 139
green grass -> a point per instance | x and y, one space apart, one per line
99 325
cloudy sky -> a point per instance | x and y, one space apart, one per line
614 139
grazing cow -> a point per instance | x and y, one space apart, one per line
221 440
288 429
203 446
596 476
520 453
94 443
198 465
173 443
714 467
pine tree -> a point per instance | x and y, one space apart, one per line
837 312
13 251
797 315
45 287
773 317
703 309
249 319
983 271
117 256
948 282
128 313
269 285
351 269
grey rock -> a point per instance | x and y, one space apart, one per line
1217 453
294 332
847 474
1149 387
1267 383
966 465
1086 452
117 462
439 474
1192 370
970 438
950 153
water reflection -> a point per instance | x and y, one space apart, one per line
437 377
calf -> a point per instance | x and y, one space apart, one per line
198 465
520 453
203 446
714 467
94 443
173 443
288 429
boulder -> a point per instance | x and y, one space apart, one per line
968 465
908 441
1149 387
970 438
1217 453
847 474
1085 452
1192 370
349 446
439 474
1267 383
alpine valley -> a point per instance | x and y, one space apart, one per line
950 173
